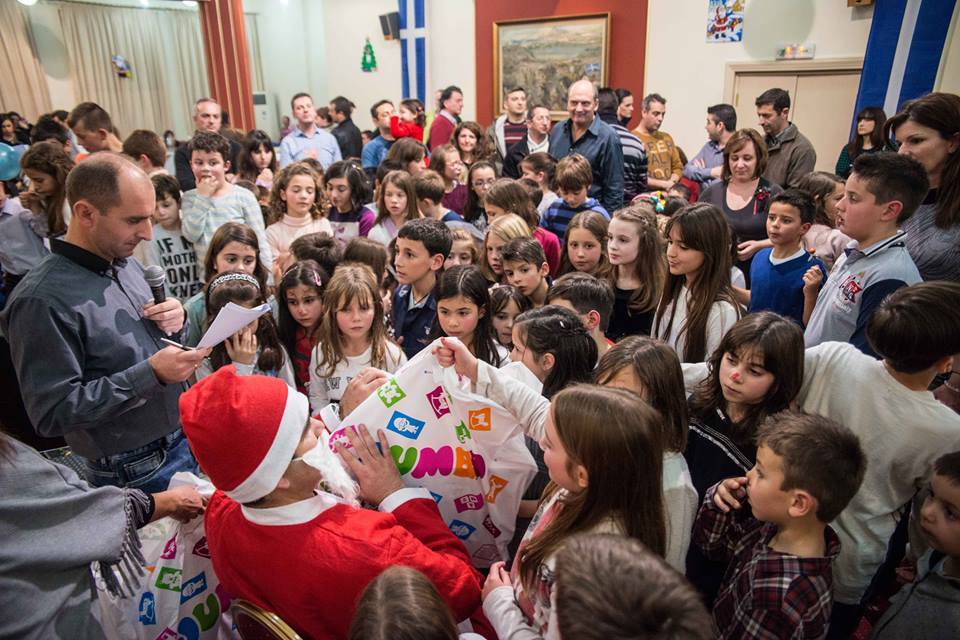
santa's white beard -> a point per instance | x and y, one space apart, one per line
336 478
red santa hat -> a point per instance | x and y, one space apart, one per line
243 430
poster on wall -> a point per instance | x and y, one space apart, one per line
546 55
725 20
121 67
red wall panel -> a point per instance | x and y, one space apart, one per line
628 28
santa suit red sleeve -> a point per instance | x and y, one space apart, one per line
447 564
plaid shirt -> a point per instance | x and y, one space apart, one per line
765 594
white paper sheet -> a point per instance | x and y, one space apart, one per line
232 318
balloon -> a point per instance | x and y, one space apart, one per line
9 162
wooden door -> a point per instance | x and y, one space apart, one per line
821 105
823 110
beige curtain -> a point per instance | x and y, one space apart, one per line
185 67
164 50
23 85
253 50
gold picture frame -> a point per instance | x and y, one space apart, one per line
546 55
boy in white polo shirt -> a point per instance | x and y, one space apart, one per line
881 193
901 426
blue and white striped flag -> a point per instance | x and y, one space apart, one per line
906 43
413 49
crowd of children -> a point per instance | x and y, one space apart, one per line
779 519
713 460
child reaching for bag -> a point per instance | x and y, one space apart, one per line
602 450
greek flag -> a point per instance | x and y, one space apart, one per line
413 49
906 43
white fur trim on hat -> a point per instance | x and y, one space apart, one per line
268 473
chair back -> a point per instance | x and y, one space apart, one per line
253 623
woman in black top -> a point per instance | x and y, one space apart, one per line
744 195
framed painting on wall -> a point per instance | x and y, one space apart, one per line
546 55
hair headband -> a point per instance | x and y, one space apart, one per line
228 277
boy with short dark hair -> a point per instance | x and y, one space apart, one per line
781 277
590 298
611 586
778 583
422 247
94 129
146 148
929 607
573 177
430 191
882 192
525 267
168 248
215 201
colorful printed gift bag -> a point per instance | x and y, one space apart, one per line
465 449
179 598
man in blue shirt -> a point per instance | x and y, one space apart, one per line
307 140
706 166
376 150
595 140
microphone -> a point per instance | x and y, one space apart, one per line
155 277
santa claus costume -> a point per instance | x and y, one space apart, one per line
308 561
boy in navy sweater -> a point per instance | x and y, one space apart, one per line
422 246
787 278
574 176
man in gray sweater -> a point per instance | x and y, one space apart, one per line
86 337
791 156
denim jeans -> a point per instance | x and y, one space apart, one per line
148 468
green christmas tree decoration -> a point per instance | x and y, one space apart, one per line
369 62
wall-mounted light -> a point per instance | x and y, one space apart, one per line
190 3
27 3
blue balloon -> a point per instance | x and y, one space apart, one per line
9 162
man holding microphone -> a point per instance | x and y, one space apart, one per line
86 336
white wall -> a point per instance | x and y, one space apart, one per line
347 27
52 54
317 46
283 49
948 78
681 65
452 54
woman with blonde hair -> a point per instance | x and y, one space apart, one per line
501 231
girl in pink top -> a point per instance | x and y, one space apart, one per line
823 239
294 211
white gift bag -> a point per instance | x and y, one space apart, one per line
465 449
180 597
